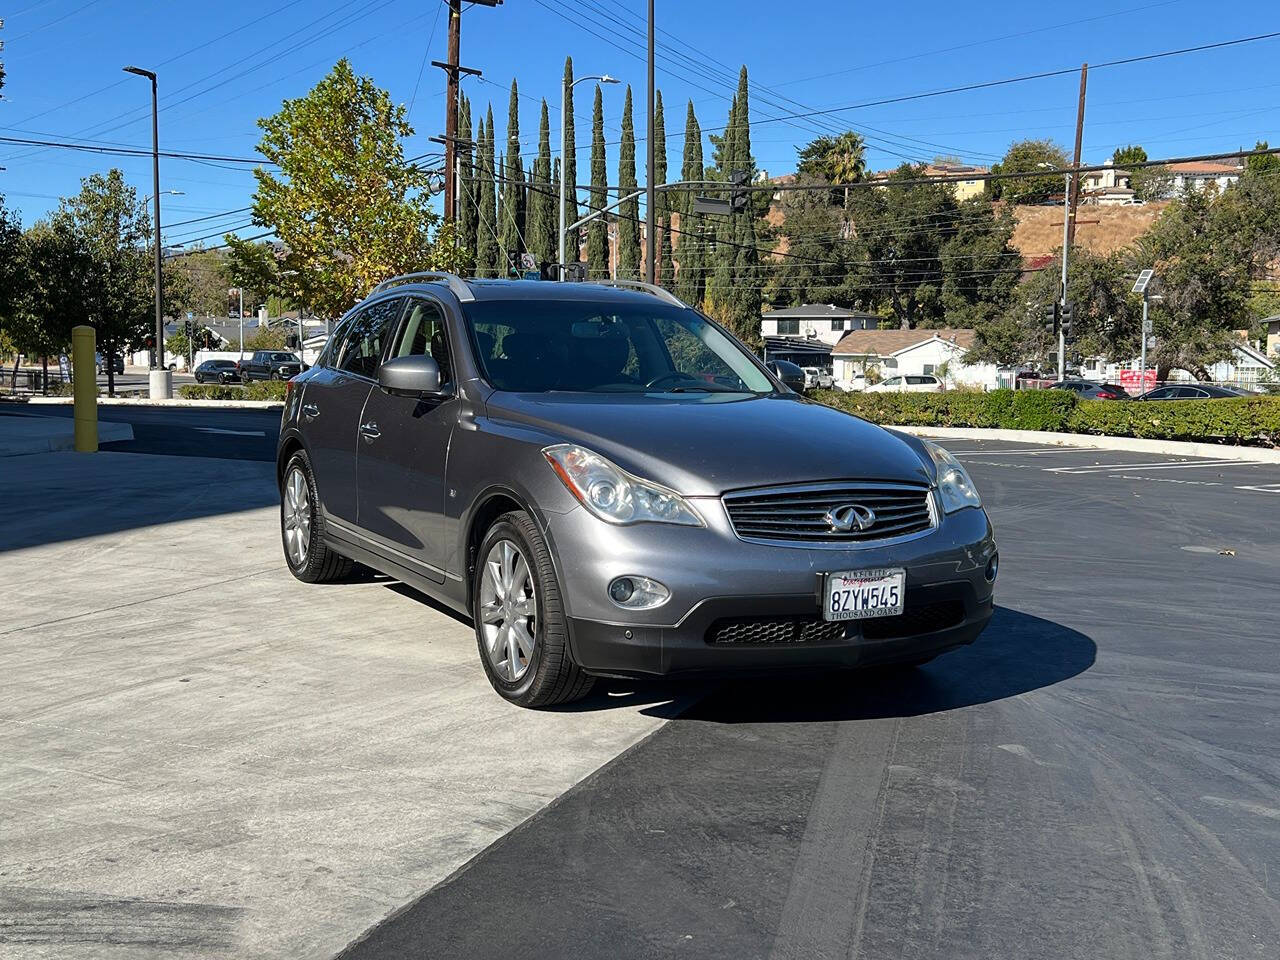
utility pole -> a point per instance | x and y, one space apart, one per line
1070 202
649 230
452 70
161 384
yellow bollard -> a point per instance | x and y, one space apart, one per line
84 377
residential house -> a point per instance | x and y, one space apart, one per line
1273 335
1201 175
806 334
964 189
906 352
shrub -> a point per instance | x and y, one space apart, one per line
1248 420
257 390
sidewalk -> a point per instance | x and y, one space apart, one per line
21 435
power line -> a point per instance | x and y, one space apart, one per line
130 151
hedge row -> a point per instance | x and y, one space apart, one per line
255 390
1248 420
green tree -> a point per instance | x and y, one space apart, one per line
628 211
661 203
468 202
1027 156
348 208
111 234
487 253
598 229
1265 163
511 235
42 275
1127 155
542 201
196 281
818 264
835 159
569 170
690 244
252 267
980 268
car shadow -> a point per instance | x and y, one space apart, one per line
1017 653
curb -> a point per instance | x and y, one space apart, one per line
176 402
1172 448
62 440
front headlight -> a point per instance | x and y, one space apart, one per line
955 487
614 495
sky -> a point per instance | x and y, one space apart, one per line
224 65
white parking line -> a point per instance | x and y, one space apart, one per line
1149 465
1263 488
233 433
1018 453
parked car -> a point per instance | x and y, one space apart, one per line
100 361
217 371
1092 390
608 483
1199 391
909 383
270 365
789 373
815 378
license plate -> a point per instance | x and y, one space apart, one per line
863 594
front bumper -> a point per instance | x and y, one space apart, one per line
732 600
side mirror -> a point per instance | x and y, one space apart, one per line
414 376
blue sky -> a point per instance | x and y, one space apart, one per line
64 59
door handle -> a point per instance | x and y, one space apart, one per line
310 411
370 430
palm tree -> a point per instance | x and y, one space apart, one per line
838 159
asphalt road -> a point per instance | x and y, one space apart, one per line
1097 777
234 433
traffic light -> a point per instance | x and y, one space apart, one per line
1068 313
739 198
1051 319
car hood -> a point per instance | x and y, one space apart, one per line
706 444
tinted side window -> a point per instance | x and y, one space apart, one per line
422 332
362 352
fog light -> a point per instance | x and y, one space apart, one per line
638 593
993 566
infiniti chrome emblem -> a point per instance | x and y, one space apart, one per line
849 517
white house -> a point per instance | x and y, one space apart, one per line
898 352
1199 175
817 321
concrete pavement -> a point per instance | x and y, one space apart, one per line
202 757
25 435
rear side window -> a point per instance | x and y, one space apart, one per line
421 333
362 352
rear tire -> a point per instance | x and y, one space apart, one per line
302 528
545 675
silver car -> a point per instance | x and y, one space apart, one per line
608 483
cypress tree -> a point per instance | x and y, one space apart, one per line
661 206
487 229
512 213
691 276
721 258
542 203
745 295
665 274
468 214
598 229
628 212
569 165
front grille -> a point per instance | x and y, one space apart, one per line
797 513
915 620
771 630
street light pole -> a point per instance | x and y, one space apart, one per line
161 383
564 130
648 179
1066 245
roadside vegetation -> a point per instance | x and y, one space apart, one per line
257 390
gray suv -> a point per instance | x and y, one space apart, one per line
608 483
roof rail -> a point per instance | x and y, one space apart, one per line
457 286
660 292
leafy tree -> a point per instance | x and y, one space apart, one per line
196 281
1026 156
348 209
629 211
818 265
661 202
252 267
1151 183
598 229
1127 155
1264 163
41 288
110 234
569 170
542 201
487 254
980 268
511 235
838 159
691 276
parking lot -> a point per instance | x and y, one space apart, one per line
203 757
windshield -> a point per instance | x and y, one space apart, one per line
607 348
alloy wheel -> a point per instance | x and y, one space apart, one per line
508 611
297 517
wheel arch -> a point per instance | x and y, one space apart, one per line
490 505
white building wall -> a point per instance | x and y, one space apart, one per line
817 329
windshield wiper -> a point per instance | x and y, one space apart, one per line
704 388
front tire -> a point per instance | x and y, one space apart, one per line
521 630
302 527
